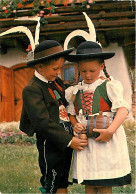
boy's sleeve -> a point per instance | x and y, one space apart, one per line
38 114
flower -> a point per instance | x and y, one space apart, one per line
29 47
90 1
6 11
87 6
70 1
10 6
4 8
41 11
20 5
48 1
42 2
49 8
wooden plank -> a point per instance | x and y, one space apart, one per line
114 32
103 6
80 25
21 78
13 23
130 29
77 17
57 19
6 93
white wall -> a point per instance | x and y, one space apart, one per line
12 57
118 68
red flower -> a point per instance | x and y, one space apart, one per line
29 47
6 11
24 0
50 14
48 1
20 5
65 4
49 8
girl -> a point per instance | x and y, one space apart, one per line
105 161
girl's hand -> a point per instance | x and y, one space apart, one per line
105 135
78 127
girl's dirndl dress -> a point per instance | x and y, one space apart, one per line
101 164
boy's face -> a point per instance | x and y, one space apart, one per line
90 70
52 70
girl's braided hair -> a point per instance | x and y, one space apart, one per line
104 68
105 72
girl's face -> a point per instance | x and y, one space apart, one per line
90 70
52 70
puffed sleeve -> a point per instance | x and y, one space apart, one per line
68 95
115 94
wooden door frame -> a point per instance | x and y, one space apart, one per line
16 68
11 118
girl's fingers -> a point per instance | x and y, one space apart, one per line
77 130
75 134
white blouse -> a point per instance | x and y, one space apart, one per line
114 92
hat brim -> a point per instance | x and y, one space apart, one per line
79 57
55 55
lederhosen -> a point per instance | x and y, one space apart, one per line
54 164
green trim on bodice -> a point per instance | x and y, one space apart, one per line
99 92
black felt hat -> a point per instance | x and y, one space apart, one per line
46 50
89 50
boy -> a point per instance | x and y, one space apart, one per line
44 113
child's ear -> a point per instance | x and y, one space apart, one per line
102 66
39 67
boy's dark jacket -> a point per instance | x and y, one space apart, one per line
40 114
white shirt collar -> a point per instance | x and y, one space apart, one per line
97 82
39 76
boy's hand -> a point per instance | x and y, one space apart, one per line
78 144
105 135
